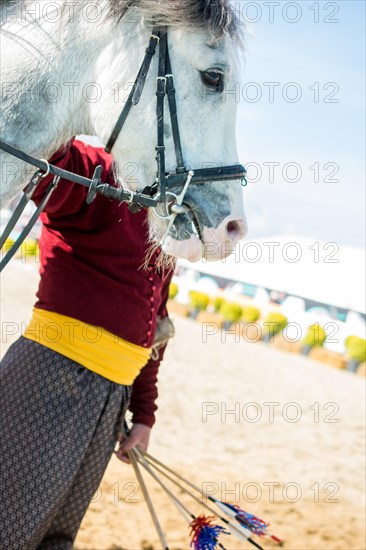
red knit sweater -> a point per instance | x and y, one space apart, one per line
92 265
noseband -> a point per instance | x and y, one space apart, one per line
152 196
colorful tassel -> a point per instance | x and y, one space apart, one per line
251 522
204 533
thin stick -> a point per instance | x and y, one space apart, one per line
195 487
158 480
177 502
148 500
238 527
241 532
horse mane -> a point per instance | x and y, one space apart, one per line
217 16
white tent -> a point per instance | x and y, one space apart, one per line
324 272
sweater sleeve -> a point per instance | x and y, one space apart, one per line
144 390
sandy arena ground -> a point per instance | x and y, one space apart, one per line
302 469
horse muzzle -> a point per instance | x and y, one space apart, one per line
210 233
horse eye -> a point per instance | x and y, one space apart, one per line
213 79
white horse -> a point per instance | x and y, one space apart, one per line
67 68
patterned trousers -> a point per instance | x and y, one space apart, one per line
59 423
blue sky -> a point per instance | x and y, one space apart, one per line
314 132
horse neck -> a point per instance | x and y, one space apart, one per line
54 58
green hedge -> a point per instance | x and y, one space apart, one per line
218 303
279 322
356 348
173 291
198 300
250 314
315 336
231 311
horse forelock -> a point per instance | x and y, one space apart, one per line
216 16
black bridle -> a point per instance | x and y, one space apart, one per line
165 89
151 196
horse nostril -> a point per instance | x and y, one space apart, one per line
231 226
235 230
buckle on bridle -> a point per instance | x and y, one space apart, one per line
161 86
47 170
92 192
176 208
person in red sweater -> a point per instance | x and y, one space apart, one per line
92 349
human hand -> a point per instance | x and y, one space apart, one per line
139 437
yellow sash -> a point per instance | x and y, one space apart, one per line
93 347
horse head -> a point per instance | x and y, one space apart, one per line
69 71
203 48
